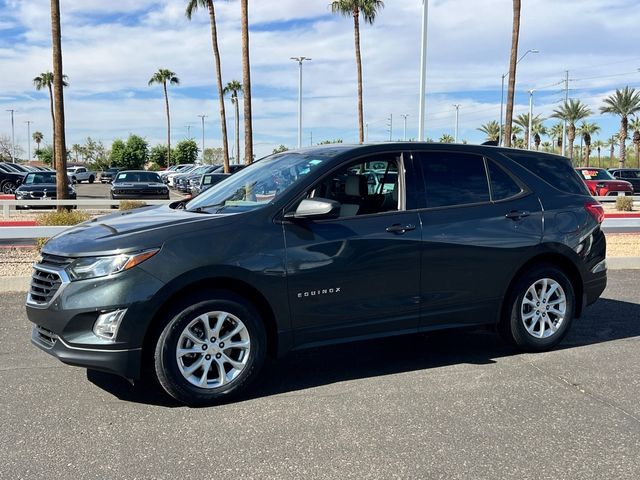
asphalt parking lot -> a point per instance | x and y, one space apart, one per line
99 190
448 405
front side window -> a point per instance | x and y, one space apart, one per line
454 179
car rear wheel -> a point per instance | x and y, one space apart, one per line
540 308
8 187
211 350
91 179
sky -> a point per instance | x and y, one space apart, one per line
111 49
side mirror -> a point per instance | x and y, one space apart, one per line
316 208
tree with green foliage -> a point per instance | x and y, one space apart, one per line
116 154
213 156
522 120
136 153
280 149
37 137
571 111
368 9
635 126
45 154
186 151
234 87
446 138
192 6
45 80
158 155
491 130
586 130
623 103
328 142
555 132
538 129
162 77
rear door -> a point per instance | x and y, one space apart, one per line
478 223
357 275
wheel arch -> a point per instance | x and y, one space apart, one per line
553 258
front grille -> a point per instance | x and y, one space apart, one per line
48 276
44 337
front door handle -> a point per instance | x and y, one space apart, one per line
517 214
400 229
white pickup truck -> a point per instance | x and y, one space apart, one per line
80 174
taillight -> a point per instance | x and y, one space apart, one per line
595 210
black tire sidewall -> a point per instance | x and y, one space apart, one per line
516 329
166 366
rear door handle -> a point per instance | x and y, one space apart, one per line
517 214
400 229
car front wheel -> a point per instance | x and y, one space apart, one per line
540 308
211 350
8 187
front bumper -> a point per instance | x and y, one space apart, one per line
137 196
64 327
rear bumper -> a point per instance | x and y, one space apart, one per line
594 288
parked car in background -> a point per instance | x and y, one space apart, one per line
181 180
631 175
138 185
10 178
208 180
172 176
107 175
294 252
80 174
40 186
602 184
174 169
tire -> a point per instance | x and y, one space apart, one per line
8 187
74 180
91 179
197 378
526 324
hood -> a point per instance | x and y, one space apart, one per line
615 184
131 230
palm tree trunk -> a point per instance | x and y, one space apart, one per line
587 155
216 56
166 104
246 83
611 153
515 34
356 31
60 147
637 149
237 130
571 136
623 138
53 127
581 149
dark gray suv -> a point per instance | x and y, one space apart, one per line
318 246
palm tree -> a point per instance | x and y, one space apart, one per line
515 131
42 81
162 76
369 9
515 34
76 148
538 129
523 121
623 103
446 138
192 6
571 112
555 133
37 137
491 130
59 144
599 144
246 82
635 126
611 143
233 87
586 130
547 146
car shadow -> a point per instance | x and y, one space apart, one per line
605 321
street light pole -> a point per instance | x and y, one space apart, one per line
29 122
404 134
530 119
423 69
13 138
533 50
300 60
457 107
202 117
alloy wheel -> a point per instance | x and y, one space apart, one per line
543 308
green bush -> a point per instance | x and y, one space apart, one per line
153 167
60 218
131 204
624 204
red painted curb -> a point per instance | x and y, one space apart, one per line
19 223
7 197
622 215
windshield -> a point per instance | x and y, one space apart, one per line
258 184
138 177
40 177
595 174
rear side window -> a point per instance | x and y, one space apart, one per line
555 170
502 185
454 179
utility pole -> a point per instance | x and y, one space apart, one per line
564 123
202 117
366 132
390 125
13 138
188 125
423 69
300 60
457 107
29 122
404 133
311 138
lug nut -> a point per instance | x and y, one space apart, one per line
204 347
221 344
218 355
207 357
213 339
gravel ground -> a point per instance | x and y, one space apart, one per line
17 261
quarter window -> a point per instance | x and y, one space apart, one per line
454 179
502 185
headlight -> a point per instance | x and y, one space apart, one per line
93 267
20 194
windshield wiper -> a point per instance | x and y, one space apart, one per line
203 208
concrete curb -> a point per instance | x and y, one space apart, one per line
21 284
